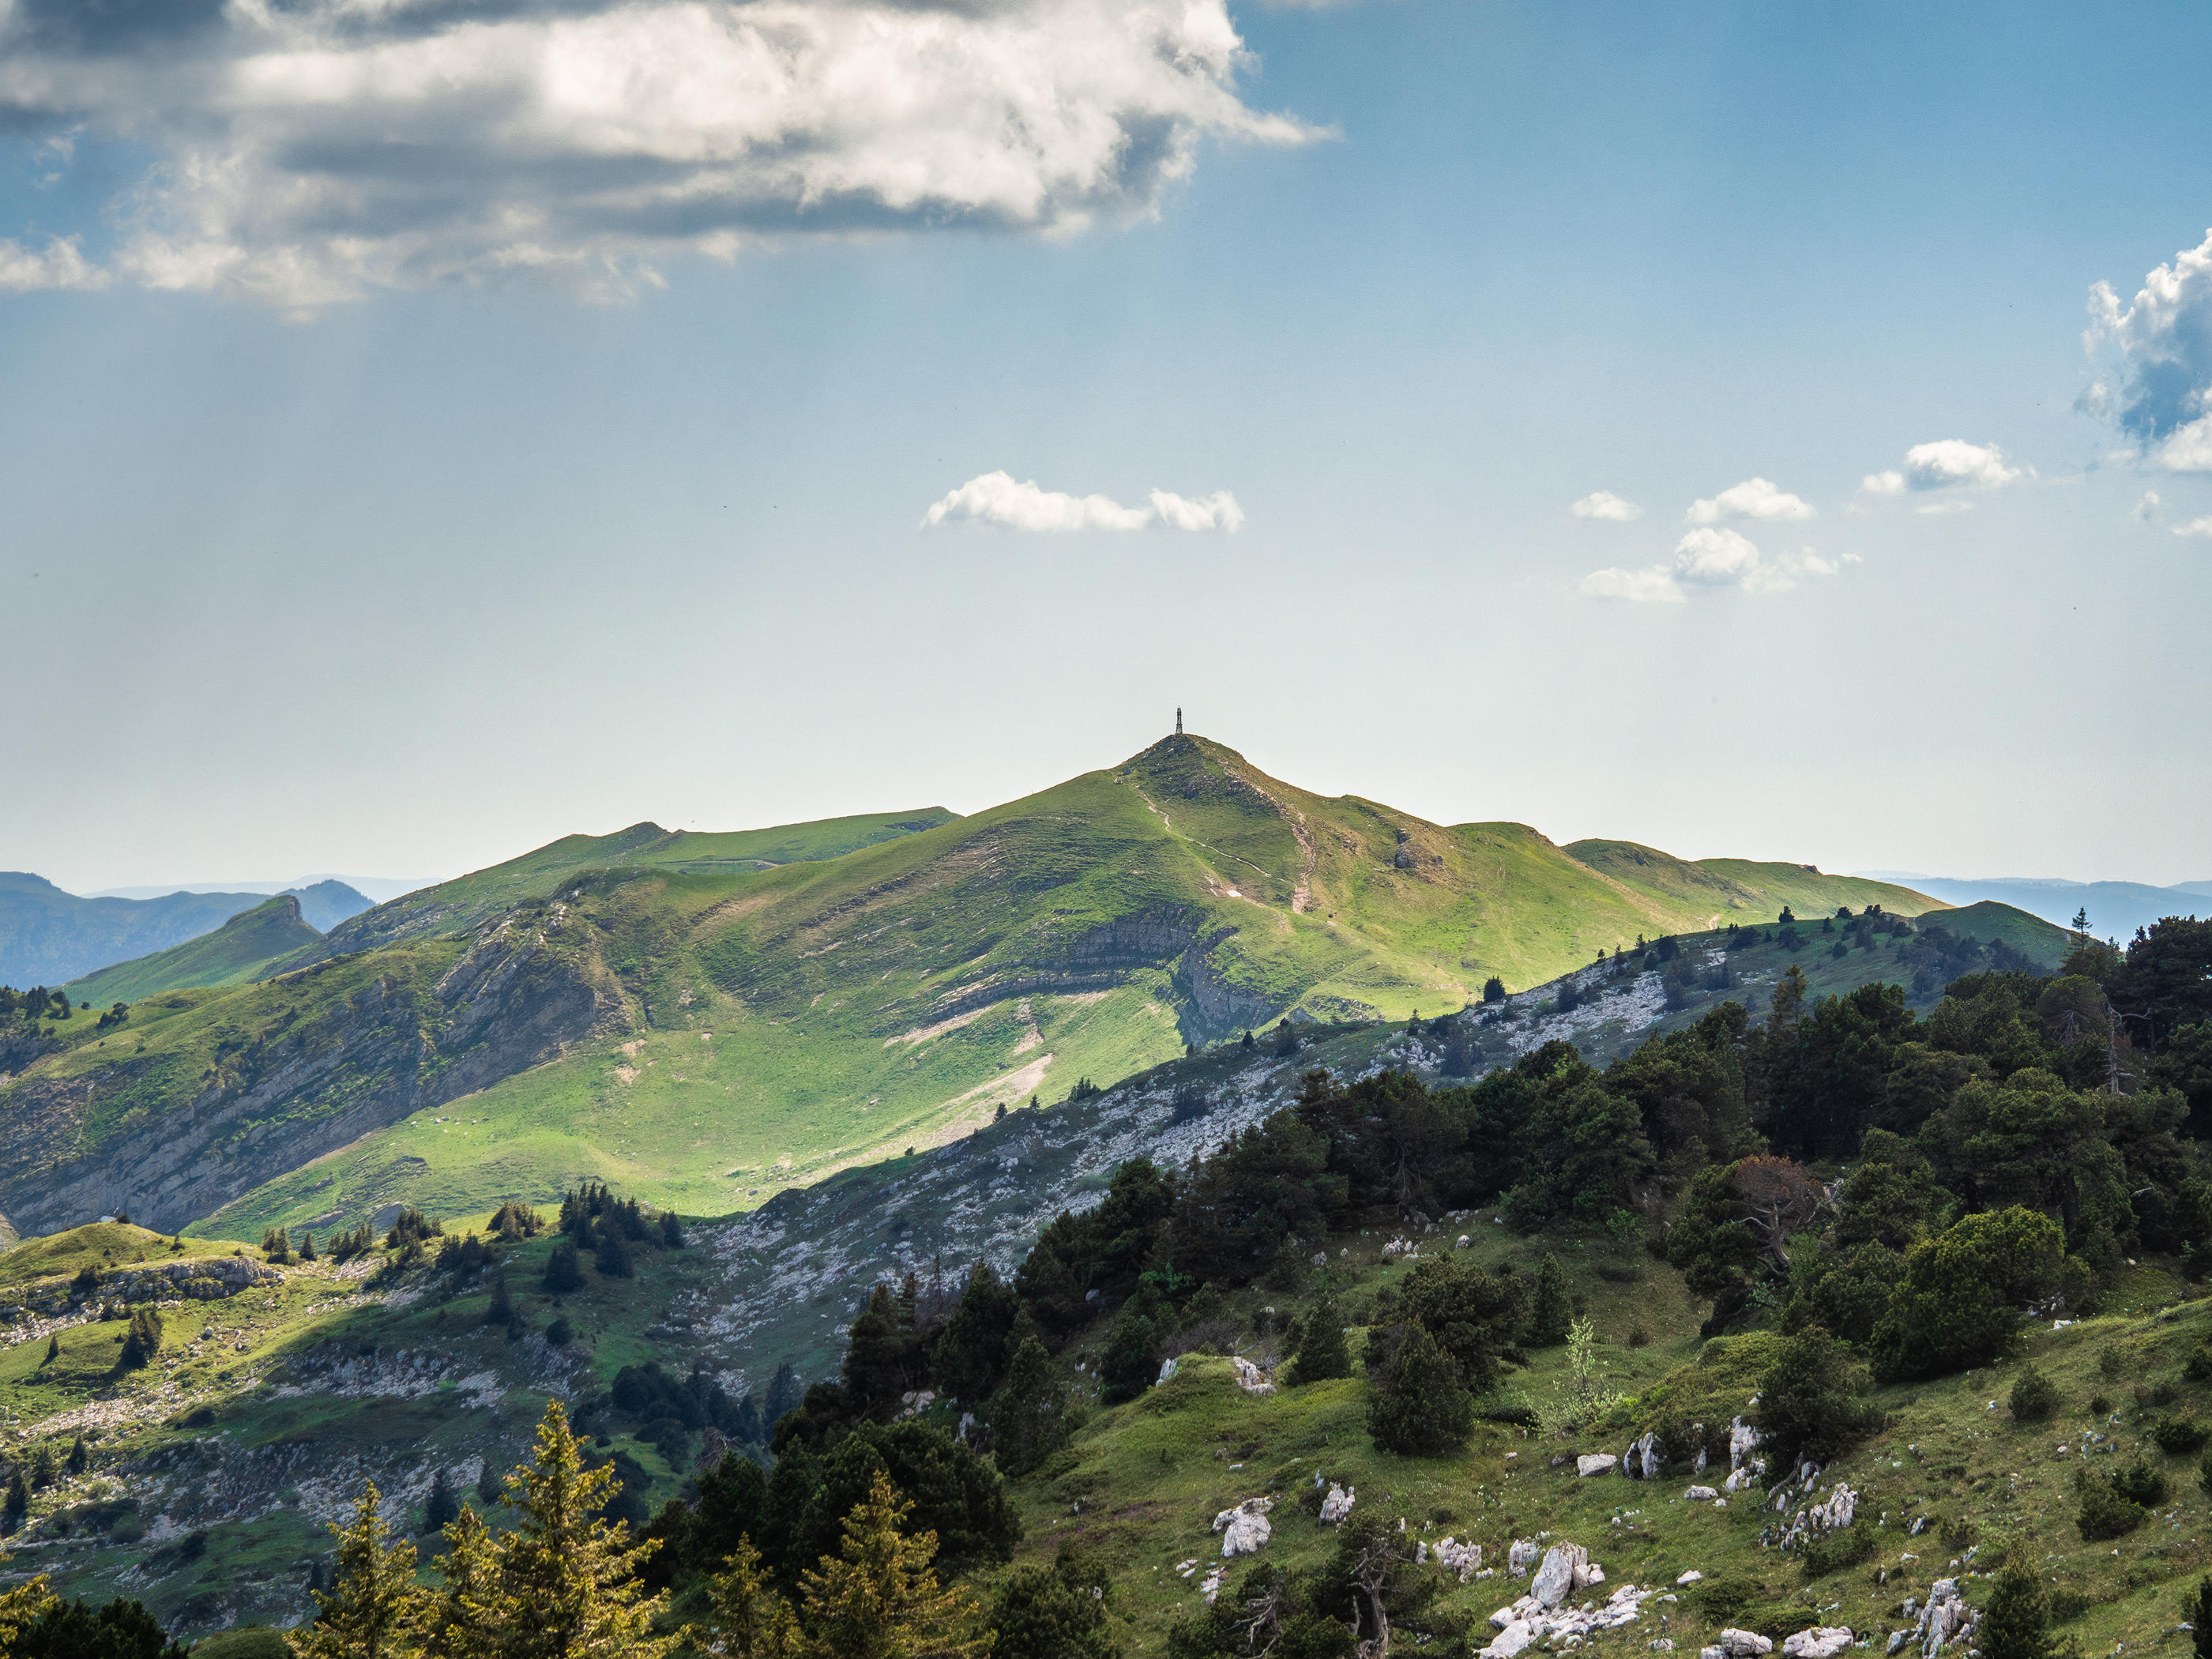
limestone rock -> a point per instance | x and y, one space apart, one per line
1692 1577
1557 1574
1338 1504
1591 1463
1744 1643
1245 1528
1701 1494
1250 1377
1821 1642
1521 1557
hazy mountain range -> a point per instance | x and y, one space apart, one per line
2116 909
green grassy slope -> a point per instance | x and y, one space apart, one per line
1743 890
761 1025
241 949
464 901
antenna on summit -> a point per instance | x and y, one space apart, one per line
1178 722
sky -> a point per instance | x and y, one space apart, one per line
431 427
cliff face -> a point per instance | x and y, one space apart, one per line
298 1089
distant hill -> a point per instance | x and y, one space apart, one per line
48 937
2116 909
375 889
240 949
709 1018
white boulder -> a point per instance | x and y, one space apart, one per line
1338 1504
1565 1568
1465 1559
1245 1528
1591 1463
1520 1556
1250 1377
1821 1642
1701 1494
1692 1577
1744 1643
1511 1640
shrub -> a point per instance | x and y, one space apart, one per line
1321 1352
2176 1435
2111 1365
1846 1548
1958 1303
2034 1397
2139 1483
1804 1412
2016 1622
2103 1513
1419 1408
2100 1404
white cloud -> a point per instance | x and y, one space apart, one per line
2194 527
996 498
1218 511
1946 463
1754 498
1656 585
2158 392
1604 504
1708 559
61 264
311 150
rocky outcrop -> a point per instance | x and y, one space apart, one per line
1946 1620
1338 1504
1821 1642
203 1279
313 1075
1245 1530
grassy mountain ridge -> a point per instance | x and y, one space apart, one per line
47 936
241 949
711 1025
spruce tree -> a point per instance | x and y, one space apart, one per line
612 1257
1058 1612
752 1621
1550 1312
372 1610
18 1503
879 1599
80 1457
2016 1622
22 1604
1027 1415
565 1585
446 1624
1321 1352
441 1509
500 1312
562 1275
671 1231
1419 1409
307 1246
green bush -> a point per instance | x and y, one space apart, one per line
2198 1368
2034 1397
2112 1364
2176 1435
1847 1548
1419 1408
1804 1411
2139 1483
2104 1513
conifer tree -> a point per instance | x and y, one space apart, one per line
565 1585
612 1257
500 1312
1550 1312
879 1599
371 1612
752 1621
307 1246
2016 1622
562 1275
1419 1408
447 1627
1321 1352
441 1509
80 1457
671 1231
22 1604
1027 1415
53 1349
18 1503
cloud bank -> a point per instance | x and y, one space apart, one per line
1754 498
2156 386
1604 504
309 151
1706 560
1946 463
996 498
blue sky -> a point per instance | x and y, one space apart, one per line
350 537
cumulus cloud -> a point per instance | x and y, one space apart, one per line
2156 386
1754 498
2194 527
1604 504
996 498
60 264
1946 463
1708 559
311 150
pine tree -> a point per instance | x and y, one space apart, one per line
1321 1352
1058 1612
562 1275
751 1621
20 1605
612 1257
1027 1415
372 1610
671 1231
441 1509
1550 1312
307 1246
446 1626
142 1342
500 1312
18 1503
564 1585
880 1600
1419 1409
2016 1622
80 1457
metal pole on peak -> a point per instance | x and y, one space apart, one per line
1178 722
